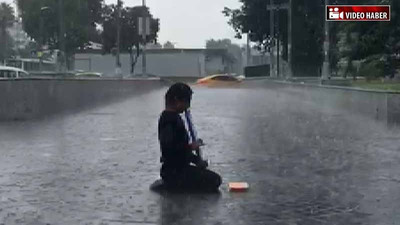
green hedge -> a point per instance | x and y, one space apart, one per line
372 68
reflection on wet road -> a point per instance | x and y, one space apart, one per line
305 165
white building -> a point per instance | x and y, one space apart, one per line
160 62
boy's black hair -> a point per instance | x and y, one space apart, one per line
178 91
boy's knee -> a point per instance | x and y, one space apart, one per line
217 180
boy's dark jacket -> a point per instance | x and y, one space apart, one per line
174 141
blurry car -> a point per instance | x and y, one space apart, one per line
219 80
88 75
241 77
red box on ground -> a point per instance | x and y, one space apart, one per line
238 186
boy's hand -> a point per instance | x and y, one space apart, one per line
202 164
200 142
194 146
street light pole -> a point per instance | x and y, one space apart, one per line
325 65
248 53
117 58
277 42
289 72
272 8
272 36
40 53
62 33
41 29
144 34
3 30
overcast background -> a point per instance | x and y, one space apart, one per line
188 23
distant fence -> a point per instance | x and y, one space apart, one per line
84 63
257 71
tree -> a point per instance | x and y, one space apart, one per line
6 12
366 40
253 19
130 39
6 21
372 43
232 55
307 23
94 35
80 17
154 46
168 45
29 50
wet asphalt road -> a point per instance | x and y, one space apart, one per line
304 164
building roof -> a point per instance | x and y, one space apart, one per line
164 50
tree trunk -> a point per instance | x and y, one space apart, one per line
134 58
132 63
3 40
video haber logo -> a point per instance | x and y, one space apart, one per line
358 12
334 14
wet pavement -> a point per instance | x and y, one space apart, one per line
304 164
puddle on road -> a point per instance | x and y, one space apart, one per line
102 113
133 222
46 155
106 139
